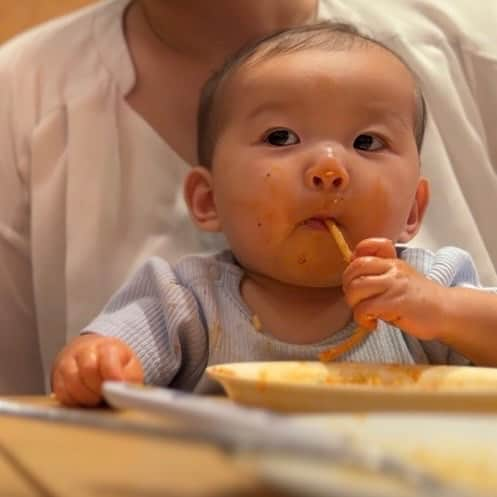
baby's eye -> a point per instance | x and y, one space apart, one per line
281 137
369 143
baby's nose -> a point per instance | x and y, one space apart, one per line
328 174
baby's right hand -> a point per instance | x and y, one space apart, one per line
84 364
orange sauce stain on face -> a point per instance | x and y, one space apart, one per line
302 259
265 222
313 258
302 256
276 183
278 213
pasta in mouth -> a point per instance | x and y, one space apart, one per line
359 334
339 240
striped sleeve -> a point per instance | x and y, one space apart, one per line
450 267
161 321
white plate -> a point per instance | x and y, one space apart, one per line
318 387
460 449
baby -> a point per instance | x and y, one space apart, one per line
312 125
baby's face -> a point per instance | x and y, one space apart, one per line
312 136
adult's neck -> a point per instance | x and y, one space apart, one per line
215 28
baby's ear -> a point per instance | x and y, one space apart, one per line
199 197
417 212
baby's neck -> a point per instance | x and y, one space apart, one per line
295 314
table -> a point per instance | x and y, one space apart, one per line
52 460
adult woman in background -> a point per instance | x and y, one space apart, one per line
97 129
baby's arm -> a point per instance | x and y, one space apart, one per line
378 285
89 360
151 324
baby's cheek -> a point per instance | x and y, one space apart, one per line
253 228
268 200
269 224
376 212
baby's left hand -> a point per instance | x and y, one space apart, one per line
378 285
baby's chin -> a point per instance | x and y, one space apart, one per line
297 271
318 275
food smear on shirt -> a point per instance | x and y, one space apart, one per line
302 259
256 322
215 332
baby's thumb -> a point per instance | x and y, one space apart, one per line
375 247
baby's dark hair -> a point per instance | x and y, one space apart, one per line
333 36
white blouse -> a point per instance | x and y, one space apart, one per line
88 189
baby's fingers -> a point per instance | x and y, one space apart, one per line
59 390
377 247
367 313
365 277
89 369
68 386
113 357
366 287
133 371
365 319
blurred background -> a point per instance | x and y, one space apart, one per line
18 15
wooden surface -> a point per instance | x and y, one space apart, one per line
48 460
18 15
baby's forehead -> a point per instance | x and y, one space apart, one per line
367 71
269 62
363 57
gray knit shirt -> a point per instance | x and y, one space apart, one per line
180 319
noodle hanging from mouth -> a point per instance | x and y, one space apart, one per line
359 334
339 240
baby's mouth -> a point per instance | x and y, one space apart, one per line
317 223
